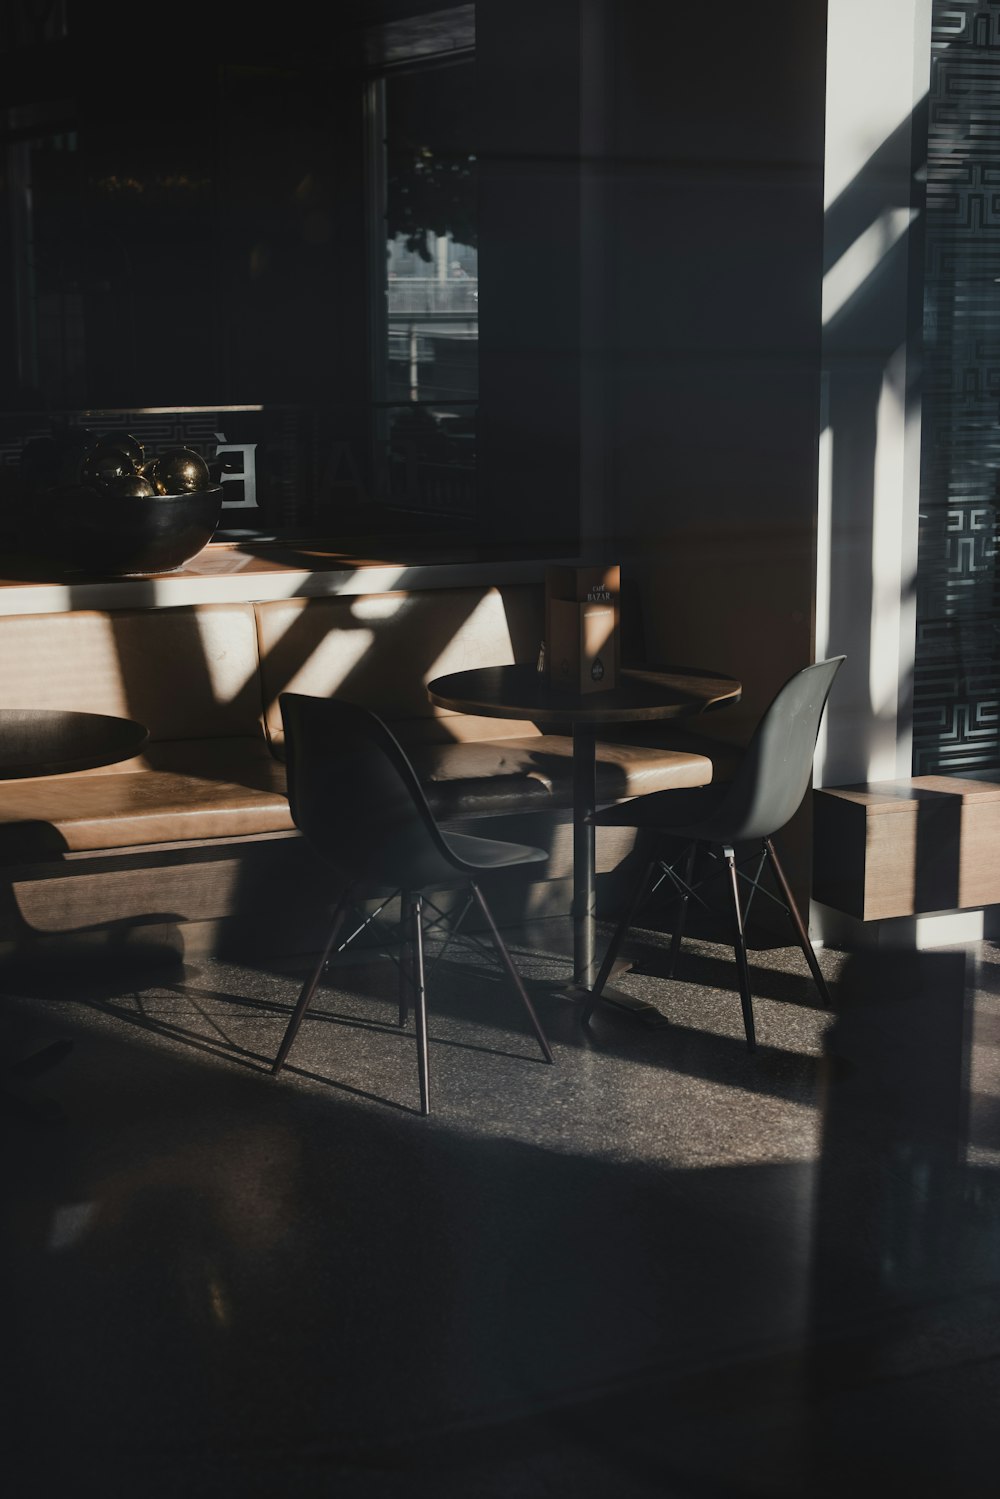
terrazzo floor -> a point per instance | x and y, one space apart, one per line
663 1266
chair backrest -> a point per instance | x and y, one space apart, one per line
355 796
774 772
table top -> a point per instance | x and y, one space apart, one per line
520 691
50 741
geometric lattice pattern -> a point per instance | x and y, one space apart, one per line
957 672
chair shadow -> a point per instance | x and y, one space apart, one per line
225 1047
791 1077
782 986
457 992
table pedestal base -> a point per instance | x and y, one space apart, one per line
636 1009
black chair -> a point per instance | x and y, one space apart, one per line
765 792
355 796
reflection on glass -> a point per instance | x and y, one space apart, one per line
431 290
432 458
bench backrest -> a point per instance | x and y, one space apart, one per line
380 650
188 672
207 671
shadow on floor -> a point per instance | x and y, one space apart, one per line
662 1267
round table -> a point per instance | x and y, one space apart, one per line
46 742
639 696
51 741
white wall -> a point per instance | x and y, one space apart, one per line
878 65
878 74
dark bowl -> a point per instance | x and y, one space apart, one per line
114 536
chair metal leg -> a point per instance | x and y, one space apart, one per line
416 922
799 925
309 987
512 973
405 958
678 932
617 938
740 948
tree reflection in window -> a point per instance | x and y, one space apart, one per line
429 384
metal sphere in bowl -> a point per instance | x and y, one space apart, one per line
177 470
128 486
127 443
104 463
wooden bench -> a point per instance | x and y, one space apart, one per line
192 841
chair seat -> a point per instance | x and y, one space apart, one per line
472 855
484 854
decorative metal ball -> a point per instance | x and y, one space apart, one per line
177 471
103 463
128 486
127 443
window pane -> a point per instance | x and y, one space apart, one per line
432 291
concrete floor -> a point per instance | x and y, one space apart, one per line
662 1267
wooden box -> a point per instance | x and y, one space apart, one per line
908 847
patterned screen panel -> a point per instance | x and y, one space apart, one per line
957 675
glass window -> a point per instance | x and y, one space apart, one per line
283 275
426 268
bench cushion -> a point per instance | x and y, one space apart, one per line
200 790
508 775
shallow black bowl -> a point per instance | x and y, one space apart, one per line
114 536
